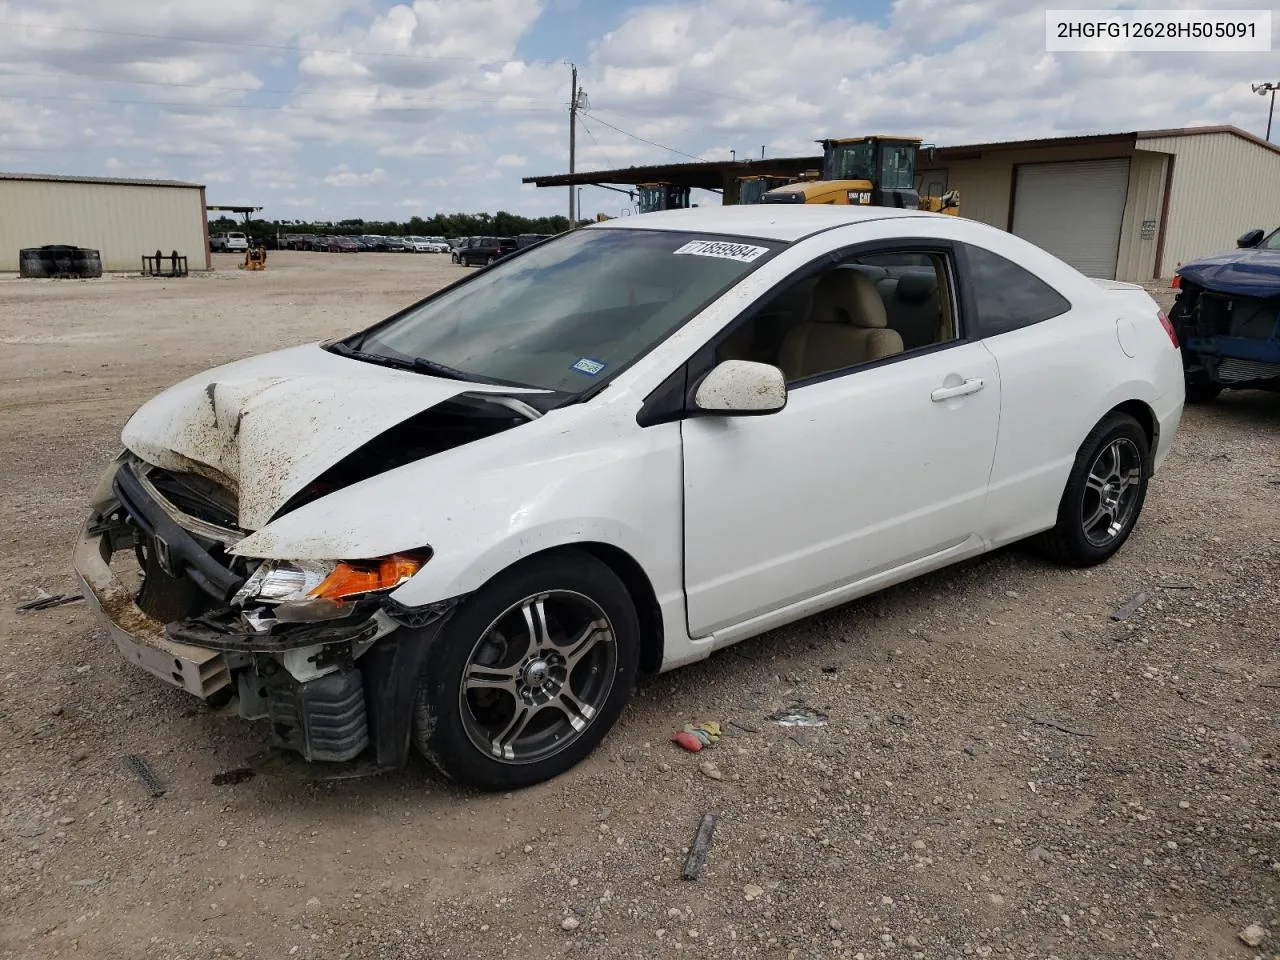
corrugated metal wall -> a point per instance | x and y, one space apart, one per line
1222 186
122 221
986 185
1140 229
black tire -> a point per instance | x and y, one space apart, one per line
1202 391
1073 541
462 694
490 261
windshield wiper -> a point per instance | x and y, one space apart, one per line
400 362
423 365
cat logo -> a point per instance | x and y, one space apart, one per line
860 196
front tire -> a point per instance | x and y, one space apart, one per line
529 674
1104 494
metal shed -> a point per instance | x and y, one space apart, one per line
1129 206
123 219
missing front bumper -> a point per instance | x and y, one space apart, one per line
139 638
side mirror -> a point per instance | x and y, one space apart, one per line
1250 239
741 388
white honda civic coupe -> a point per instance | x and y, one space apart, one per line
470 527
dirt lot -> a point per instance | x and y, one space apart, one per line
1007 771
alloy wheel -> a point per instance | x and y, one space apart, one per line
1111 492
538 676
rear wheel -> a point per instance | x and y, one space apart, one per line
1104 495
490 260
529 674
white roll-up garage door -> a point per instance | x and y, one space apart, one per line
1073 210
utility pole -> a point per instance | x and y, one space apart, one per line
572 141
1262 89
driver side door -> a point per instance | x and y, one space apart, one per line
871 473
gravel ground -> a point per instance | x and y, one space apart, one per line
1006 770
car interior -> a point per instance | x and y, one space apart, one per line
858 311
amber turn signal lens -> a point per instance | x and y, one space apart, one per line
349 579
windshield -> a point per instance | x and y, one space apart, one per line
851 161
897 166
1272 242
570 313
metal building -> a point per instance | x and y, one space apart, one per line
122 219
1127 206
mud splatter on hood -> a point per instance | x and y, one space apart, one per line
268 426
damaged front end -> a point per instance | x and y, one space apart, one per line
1228 338
319 649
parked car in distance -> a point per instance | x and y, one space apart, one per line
398 244
374 242
642 441
529 239
426 245
343 245
460 244
486 250
228 242
1227 315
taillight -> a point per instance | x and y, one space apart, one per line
1168 328
1177 282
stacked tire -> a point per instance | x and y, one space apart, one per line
59 261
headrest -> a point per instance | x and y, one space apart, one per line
917 287
848 296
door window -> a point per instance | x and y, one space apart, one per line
863 309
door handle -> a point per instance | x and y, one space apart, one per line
959 390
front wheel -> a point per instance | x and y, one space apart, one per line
1104 495
529 674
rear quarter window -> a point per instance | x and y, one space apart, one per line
1006 296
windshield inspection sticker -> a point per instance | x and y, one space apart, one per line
742 252
588 366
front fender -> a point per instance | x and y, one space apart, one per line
557 481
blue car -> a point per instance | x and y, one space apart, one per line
1227 317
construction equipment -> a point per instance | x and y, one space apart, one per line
879 170
661 196
752 189
255 258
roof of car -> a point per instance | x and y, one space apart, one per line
771 221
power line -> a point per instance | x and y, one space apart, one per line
263 46
652 143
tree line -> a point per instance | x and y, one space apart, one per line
500 224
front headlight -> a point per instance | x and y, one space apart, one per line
323 589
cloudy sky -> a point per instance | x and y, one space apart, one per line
373 108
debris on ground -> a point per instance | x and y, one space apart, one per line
710 770
1065 728
1253 935
695 736
697 858
47 601
799 715
1129 607
232 777
146 776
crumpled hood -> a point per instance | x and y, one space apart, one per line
1242 273
268 426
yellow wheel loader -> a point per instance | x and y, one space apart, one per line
879 171
660 196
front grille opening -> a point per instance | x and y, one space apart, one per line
197 496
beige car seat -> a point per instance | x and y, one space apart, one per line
847 325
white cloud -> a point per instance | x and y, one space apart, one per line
451 101
342 176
